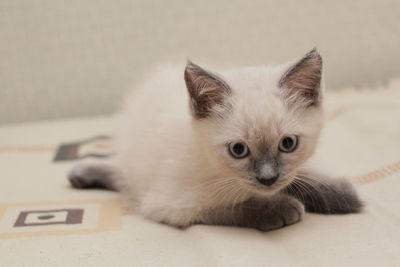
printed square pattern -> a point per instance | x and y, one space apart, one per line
98 147
47 217
59 218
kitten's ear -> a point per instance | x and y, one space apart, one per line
206 90
302 81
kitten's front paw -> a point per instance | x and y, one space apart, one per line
92 176
286 211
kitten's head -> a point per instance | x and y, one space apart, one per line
258 125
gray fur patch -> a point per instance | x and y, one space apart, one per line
334 196
266 167
277 212
92 176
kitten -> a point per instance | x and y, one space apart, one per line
232 153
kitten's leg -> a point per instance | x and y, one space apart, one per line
264 215
93 175
277 212
323 194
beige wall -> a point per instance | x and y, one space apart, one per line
73 58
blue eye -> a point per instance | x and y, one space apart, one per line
238 150
288 143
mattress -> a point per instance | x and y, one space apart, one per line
45 222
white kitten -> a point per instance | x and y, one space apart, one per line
230 152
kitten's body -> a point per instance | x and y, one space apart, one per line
173 160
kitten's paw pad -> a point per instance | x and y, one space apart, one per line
285 213
80 176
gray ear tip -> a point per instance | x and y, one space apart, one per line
314 53
190 65
314 50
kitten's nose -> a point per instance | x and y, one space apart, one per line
267 181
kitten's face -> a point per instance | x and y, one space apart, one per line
264 150
257 125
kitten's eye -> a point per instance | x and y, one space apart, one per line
288 143
238 150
